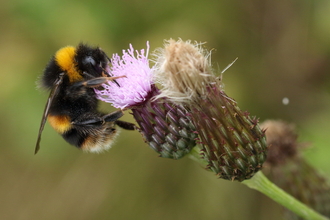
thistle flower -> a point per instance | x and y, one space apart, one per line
136 87
232 143
287 168
164 125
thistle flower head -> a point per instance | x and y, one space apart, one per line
135 87
231 142
190 103
164 125
183 70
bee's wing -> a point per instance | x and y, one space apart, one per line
52 94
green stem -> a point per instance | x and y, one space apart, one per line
260 183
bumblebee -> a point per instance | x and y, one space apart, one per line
71 108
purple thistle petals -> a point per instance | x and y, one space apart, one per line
135 87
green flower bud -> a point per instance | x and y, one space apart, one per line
165 127
232 143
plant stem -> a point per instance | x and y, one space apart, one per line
260 183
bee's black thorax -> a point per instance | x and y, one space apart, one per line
51 73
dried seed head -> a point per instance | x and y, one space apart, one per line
282 141
183 70
287 168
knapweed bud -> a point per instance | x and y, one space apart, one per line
286 167
232 143
164 125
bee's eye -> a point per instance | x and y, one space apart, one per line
89 61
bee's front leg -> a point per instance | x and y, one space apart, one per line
95 82
91 120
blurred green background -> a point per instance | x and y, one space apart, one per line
283 50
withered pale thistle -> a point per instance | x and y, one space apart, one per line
183 70
231 142
286 167
164 125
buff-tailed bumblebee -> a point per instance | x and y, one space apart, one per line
71 109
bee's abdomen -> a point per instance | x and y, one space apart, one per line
61 123
93 138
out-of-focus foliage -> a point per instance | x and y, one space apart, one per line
283 49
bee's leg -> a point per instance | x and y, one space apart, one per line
95 82
91 120
126 125
113 116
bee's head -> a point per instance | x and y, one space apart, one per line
78 63
91 62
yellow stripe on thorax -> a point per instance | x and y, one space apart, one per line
61 123
65 59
